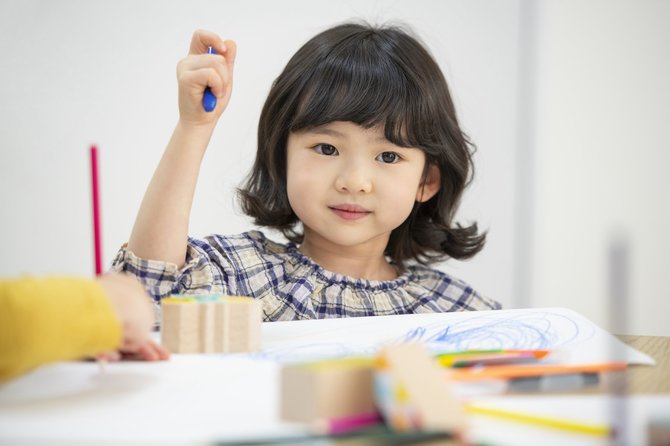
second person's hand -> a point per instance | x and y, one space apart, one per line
132 307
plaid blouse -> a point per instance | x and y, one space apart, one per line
291 286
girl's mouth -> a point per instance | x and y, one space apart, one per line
350 211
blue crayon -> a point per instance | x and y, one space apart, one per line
208 99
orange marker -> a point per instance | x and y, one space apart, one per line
520 371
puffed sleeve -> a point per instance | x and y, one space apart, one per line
202 273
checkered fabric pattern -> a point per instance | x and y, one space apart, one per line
291 286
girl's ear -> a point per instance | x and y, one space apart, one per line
430 184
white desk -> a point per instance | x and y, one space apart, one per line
191 399
196 399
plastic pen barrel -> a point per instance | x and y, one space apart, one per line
208 98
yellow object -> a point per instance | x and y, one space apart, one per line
350 362
53 319
579 427
239 299
179 300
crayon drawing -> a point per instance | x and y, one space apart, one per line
578 339
483 330
530 330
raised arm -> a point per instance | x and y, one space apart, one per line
161 228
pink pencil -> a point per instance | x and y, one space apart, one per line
339 426
96 211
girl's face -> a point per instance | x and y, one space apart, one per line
351 187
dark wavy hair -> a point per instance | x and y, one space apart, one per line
370 76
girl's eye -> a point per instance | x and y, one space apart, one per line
325 149
388 157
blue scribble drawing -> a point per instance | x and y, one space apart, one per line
533 330
415 334
479 331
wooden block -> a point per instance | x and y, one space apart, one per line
220 331
418 383
242 319
180 322
326 390
207 329
211 324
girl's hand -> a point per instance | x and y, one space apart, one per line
200 70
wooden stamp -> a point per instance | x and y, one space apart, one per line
211 324
327 389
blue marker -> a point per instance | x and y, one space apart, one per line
208 99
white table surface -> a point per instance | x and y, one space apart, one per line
198 399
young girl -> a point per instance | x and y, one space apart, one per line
361 165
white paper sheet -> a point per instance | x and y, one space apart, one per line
575 338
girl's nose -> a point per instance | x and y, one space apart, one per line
353 179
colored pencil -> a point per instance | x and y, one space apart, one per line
374 435
483 357
519 371
338 426
579 427
553 382
96 211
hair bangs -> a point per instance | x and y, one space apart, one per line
358 82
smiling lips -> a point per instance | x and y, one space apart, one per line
350 211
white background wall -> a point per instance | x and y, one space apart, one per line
602 144
566 102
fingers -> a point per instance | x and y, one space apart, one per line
150 351
199 70
231 54
145 351
204 70
131 305
162 352
109 356
203 39
227 52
